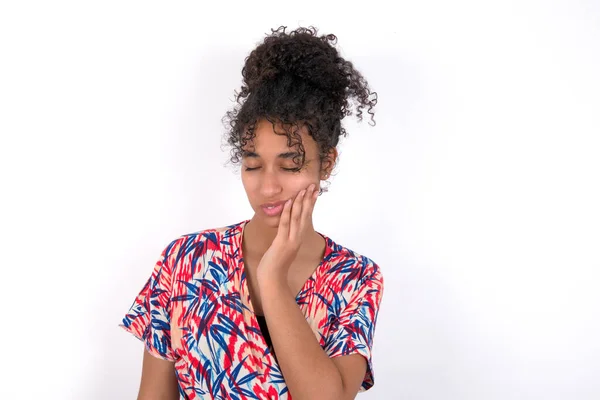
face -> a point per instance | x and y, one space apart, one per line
271 177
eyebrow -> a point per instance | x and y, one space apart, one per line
288 155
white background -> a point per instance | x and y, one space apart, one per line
477 191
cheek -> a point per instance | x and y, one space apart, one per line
249 184
301 182
307 176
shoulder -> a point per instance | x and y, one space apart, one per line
185 253
189 255
205 239
351 270
343 259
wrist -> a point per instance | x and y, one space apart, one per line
271 279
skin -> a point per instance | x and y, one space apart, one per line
280 254
159 381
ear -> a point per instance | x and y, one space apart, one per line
329 163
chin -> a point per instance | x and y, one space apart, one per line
271 222
266 221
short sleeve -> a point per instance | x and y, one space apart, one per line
353 331
149 318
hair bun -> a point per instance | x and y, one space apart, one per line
301 55
298 77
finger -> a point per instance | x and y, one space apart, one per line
296 214
307 207
310 195
284 222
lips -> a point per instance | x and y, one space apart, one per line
277 203
273 209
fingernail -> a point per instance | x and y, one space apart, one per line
302 193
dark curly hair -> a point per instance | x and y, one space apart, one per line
297 79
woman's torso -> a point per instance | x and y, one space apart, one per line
219 349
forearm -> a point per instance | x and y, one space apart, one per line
308 371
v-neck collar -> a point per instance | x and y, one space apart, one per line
308 286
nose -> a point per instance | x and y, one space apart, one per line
269 185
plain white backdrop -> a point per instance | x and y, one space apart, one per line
478 191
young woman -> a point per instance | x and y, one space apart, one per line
269 308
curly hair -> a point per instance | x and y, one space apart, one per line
296 80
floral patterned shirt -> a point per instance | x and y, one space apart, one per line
194 311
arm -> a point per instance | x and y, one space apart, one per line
159 381
308 371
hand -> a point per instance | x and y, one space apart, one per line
295 218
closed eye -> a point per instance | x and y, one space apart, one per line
285 169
